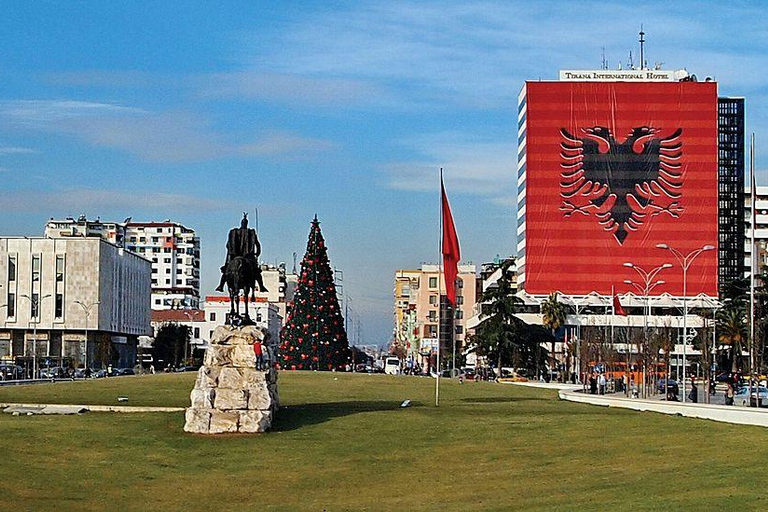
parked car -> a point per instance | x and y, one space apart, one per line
53 373
740 398
124 371
11 371
673 386
99 374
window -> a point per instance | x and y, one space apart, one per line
167 249
432 316
459 283
178 271
210 333
11 268
197 332
166 260
459 314
433 282
157 301
154 281
168 271
459 329
213 316
459 300
154 270
11 304
154 239
59 269
59 307
433 299
35 269
167 281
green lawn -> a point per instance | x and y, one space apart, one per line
343 442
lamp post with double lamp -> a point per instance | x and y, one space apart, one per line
685 261
648 284
34 303
190 317
87 310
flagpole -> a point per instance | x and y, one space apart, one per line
439 294
753 267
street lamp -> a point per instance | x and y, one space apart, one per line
685 262
34 302
87 310
189 316
648 284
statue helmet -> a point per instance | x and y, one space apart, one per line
244 222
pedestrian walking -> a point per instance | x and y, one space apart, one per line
729 394
601 383
693 395
592 384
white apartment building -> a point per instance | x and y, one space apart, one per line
761 226
281 287
216 308
63 298
173 249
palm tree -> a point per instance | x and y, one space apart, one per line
499 331
553 317
732 332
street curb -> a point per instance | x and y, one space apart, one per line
100 408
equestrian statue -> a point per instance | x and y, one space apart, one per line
241 270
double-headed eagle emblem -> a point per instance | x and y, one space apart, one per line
621 184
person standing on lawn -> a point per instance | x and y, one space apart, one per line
259 353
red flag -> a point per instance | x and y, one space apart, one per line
617 307
451 251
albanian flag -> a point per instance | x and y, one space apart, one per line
451 250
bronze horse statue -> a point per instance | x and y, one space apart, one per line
241 270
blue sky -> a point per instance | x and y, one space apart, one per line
345 109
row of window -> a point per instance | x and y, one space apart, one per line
433 283
34 299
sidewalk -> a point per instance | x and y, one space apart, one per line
715 412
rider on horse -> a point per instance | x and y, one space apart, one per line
242 242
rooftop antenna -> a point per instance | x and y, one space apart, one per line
294 263
256 209
631 63
642 44
604 64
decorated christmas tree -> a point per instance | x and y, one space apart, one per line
313 337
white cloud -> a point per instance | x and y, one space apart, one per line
78 200
470 165
152 136
11 150
265 86
46 111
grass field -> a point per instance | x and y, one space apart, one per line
342 442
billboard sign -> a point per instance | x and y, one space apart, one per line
613 169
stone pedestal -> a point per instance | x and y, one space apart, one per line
231 394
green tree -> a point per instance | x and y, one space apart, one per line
732 331
553 317
169 344
502 336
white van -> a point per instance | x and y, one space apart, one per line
391 365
